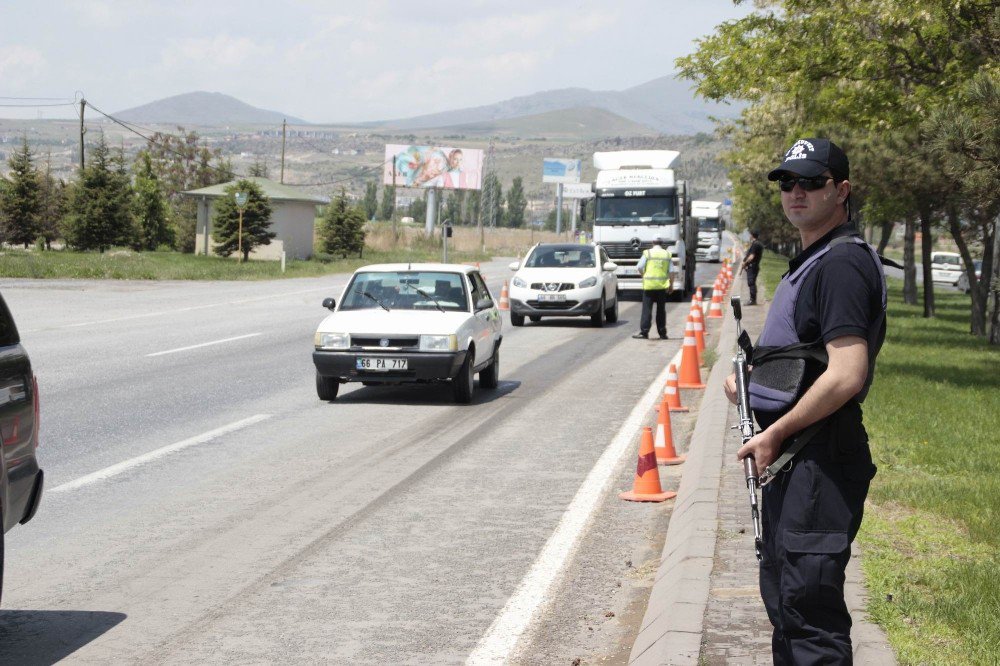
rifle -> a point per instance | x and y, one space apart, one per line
745 426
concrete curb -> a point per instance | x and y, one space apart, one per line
672 627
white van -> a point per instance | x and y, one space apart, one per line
946 267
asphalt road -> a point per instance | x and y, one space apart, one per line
203 506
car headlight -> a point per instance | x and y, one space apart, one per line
518 282
589 282
332 340
438 343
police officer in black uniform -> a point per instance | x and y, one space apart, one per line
751 264
833 297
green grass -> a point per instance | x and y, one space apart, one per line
128 265
930 539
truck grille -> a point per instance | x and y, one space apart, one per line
625 250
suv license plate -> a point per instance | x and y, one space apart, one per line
551 298
379 364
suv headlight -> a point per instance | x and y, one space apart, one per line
332 340
589 282
518 282
438 343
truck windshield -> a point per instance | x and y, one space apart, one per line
638 210
709 225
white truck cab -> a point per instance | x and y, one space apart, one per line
710 227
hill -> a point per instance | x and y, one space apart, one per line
203 109
579 123
666 104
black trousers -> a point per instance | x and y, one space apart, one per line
649 297
811 514
751 272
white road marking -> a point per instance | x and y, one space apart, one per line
498 644
122 467
204 344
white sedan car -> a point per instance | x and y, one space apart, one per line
564 280
410 323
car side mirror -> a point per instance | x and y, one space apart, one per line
483 304
514 265
329 303
610 266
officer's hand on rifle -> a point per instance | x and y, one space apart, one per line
729 386
764 447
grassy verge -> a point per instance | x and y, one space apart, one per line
129 265
931 547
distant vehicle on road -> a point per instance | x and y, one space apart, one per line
963 279
22 480
946 267
410 323
564 280
710 228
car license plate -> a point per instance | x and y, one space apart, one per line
551 298
379 364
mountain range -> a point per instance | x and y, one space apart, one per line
666 105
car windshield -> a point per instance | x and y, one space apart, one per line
406 290
947 260
561 256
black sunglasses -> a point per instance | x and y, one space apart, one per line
807 184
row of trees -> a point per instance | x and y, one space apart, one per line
910 89
460 207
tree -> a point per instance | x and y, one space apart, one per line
53 201
388 202
256 220
453 207
99 210
342 231
517 203
259 168
20 201
370 202
150 207
492 200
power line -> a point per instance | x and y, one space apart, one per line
31 106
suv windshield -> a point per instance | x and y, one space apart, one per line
947 259
561 256
406 290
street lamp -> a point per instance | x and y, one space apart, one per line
241 202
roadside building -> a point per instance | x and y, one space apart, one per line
293 217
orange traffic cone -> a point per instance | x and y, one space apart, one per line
699 330
689 324
646 486
663 443
504 298
690 374
671 394
715 309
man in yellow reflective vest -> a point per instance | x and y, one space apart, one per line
654 266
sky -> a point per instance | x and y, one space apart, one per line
336 61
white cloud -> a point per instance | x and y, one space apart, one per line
219 51
19 63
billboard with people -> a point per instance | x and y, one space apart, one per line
433 166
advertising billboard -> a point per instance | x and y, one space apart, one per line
578 191
433 166
556 170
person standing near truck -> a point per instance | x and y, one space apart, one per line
812 367
654 267
751 264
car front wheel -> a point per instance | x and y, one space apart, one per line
462 384
489 377
326 387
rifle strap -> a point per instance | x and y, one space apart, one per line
786 457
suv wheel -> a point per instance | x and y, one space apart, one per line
462 384
516 319
597 319
489 377
326 387
611 314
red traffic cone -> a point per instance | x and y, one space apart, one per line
646 486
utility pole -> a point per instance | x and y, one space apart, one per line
486 197
284 124
83 104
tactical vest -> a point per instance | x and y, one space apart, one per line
656 274
780 359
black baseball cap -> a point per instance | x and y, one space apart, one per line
811 157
